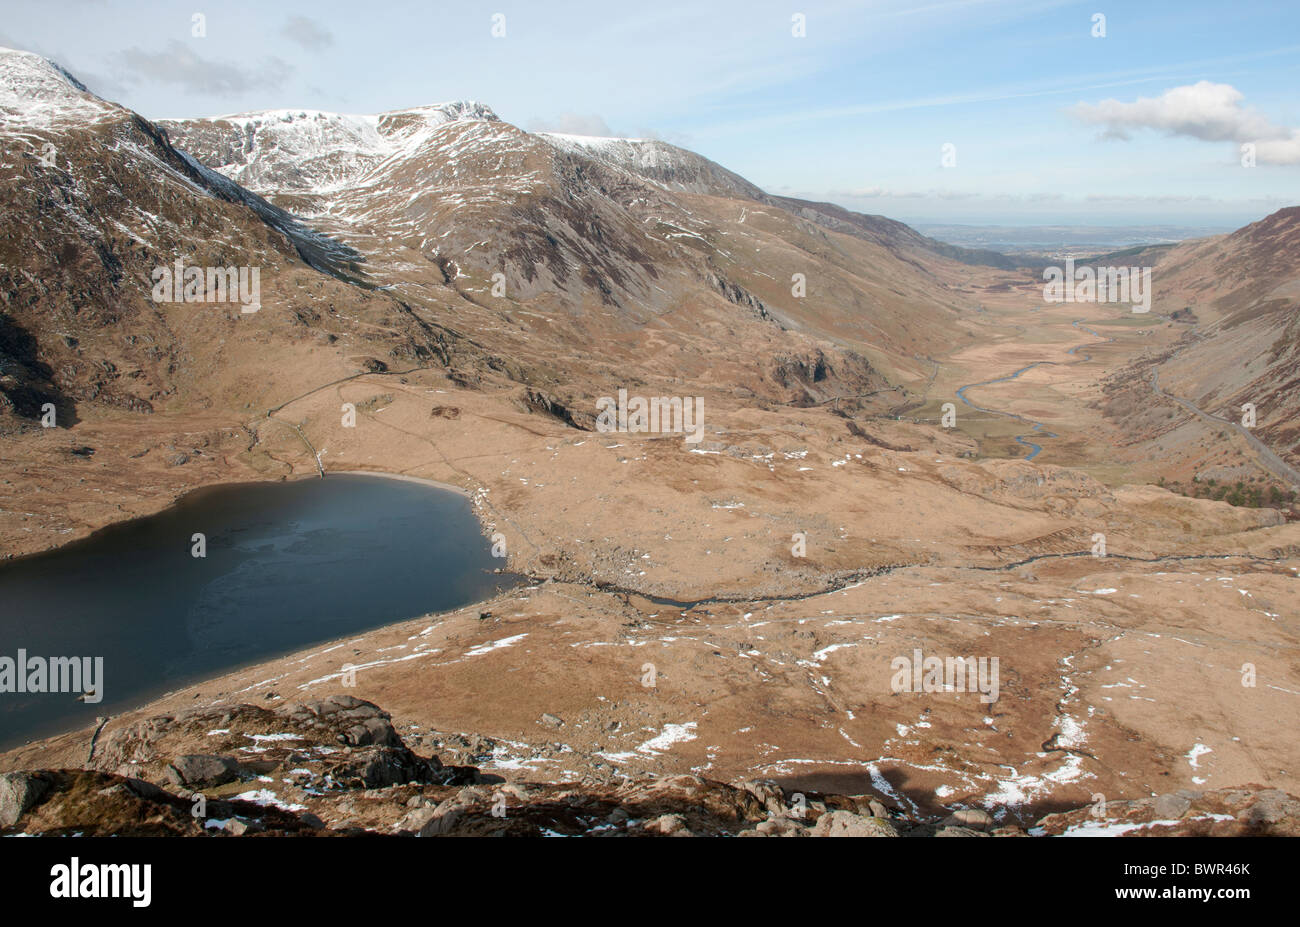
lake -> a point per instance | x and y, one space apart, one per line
287 565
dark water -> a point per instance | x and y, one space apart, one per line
287 565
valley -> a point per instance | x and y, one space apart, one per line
445 297
1117 667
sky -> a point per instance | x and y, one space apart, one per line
955 111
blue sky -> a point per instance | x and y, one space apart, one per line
1049 124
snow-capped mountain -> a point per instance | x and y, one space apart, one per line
283 152
307 151
618 220
667 165
94 200
37 92
459 235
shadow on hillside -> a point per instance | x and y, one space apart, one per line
27 382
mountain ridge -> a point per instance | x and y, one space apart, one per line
828 519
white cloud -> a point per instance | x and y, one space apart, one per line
1279 150
1204 110
307 33
177 64
573 124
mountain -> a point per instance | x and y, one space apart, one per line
97 198
37 92
412 214
635 226
1238 296
541 271
446 297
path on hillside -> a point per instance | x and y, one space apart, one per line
1271 461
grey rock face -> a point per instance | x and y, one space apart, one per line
973 818
369 725
1171 807
848 824
202 771
19 792
379 767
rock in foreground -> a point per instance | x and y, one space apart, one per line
337 767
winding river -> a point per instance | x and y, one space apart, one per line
1034 449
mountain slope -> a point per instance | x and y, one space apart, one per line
628 230
1243 292
96 200
678 169
412 222
770 571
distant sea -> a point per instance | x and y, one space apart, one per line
1010 239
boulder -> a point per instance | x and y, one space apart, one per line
1170 807
781 827
18 792
442 819
973 818
379 767
768 793
237 828
202 770
356 722
372 732
1268 810
848 824
415 821
667 825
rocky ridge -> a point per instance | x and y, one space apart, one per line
336 766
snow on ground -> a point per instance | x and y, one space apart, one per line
265 797
671 734
1018 789
1120 828
495 645
37 93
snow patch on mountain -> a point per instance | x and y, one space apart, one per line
650 159
35 93
287 151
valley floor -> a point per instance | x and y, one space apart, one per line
734 608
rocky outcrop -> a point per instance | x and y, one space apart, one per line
198 771
848 824
79 802
1249 812
343 741
816 376
734 293
18 792
337 766
534 400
